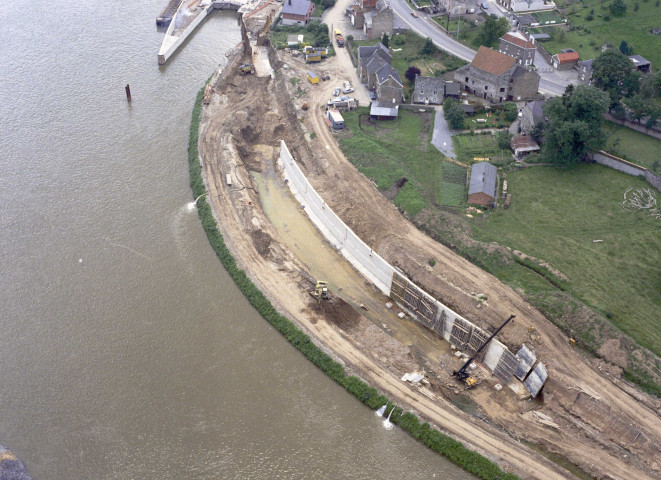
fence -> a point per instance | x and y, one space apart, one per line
419 304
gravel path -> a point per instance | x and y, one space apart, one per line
442 138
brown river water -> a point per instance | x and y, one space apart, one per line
127 352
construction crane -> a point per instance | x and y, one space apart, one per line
462 374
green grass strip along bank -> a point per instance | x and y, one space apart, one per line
456 452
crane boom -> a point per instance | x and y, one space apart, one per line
462 374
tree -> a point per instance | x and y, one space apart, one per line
385 40
492 29
613 72
618 8
624 48
574 127
428 48
510 111
503 139
638 108
454 114
411 73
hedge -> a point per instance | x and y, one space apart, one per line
469 460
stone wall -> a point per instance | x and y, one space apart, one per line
629 168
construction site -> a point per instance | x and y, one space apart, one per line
354 274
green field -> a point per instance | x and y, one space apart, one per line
462 30
409 55
634 27
546 18
634 146
556 214
467 147
386 151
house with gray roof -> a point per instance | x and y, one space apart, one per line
428 90
371 59
378 21
297 12
482 188
641 64
531 115
585 71
389 88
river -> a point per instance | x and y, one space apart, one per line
127 352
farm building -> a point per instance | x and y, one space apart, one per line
335 119
313 78
453 90
482 188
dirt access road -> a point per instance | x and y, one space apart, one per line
594 422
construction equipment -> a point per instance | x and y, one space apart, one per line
246 68
462 374
320 291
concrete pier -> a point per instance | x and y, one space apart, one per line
186 19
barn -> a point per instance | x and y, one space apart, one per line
482 188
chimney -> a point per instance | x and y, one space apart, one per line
289 2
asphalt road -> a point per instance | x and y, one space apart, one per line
426 27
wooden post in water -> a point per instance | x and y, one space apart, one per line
128 92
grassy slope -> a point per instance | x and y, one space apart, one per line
555 215
634 27
636 147
389 150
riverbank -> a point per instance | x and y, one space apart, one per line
240 132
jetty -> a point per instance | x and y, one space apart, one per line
189 14
164 19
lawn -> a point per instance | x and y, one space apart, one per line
556 214
634 146
407 54
634 27
468 147
387 151
464 31
548 18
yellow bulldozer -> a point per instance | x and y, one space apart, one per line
246 68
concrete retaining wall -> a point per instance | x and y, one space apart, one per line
367 262
363 259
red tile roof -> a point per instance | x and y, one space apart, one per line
567 57
492 61
516 40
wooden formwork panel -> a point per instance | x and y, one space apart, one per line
428 310
478 337
438 324
412 298
506 367
398 287
461 332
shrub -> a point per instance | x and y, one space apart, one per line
432 262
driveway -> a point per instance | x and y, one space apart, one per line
442 137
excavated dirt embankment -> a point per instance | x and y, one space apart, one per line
582 415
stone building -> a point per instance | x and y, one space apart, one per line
515 44
389 88
370 59
482 187
428 90
531 115
497 77
458 7
378 21
297 12
565 60
585 72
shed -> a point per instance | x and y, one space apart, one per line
313 78
565 60
482 188
383 111
523 145
453 89
294 40
336 120
641 64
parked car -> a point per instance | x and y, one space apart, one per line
372 95
414 14
484 6
348 90
347 84
336 92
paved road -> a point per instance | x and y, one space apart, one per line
442 137
548 84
